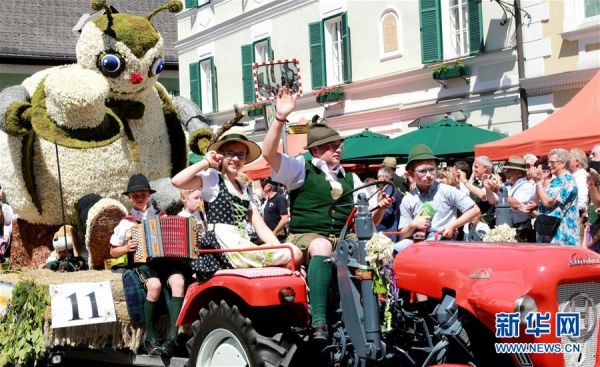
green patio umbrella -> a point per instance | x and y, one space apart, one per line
446 138
361 144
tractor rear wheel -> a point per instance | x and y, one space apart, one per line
223 337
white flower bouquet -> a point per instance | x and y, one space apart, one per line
379 250
502 233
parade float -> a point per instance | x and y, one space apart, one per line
70 137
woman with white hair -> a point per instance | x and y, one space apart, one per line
559 200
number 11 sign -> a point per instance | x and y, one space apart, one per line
76 304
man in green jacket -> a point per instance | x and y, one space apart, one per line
313 186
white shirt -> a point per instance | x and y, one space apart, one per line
524 191
185 214
580 177
122 231
292 173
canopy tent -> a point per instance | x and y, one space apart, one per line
446 138
576 125
356 145
260 169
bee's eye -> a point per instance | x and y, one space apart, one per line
157 67
111 64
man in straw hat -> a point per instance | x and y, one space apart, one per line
521 192
400 182
313 186
445 200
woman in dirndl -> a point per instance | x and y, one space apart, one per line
227 203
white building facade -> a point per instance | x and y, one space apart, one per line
383 53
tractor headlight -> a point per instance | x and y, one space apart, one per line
287 295
525 305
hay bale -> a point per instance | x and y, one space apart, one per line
31 245
119 334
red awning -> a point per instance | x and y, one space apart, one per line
576 125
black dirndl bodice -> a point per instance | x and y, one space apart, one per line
225 209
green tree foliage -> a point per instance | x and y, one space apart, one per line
22 328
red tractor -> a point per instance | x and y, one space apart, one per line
445 309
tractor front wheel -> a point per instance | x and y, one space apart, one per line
223 337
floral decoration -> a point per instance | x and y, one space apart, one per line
449 69
325 94
255 109
502 233
77 101
379 250
446 65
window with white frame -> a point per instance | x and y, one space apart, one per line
330 59
450 29
206 85
334 53
390 38
454 31
262 51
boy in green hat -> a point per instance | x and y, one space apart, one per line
313 186
445 200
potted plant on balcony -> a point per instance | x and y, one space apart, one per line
447 70
329 94
256 109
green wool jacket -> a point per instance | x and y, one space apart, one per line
310 202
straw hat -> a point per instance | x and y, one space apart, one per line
390 162
236 135
516 163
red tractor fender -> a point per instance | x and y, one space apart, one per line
488 278
255 287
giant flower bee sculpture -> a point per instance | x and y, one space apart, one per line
106 115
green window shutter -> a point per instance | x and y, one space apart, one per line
195 84
213 75
475 27
347 65
247 73
191 3
592 8
431 31
317 56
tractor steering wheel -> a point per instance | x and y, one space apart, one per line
335 204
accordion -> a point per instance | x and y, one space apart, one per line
170 236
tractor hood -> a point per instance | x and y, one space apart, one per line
488 278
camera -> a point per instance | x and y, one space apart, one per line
595 165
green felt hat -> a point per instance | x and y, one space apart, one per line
319 134
420 152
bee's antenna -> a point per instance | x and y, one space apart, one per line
174 6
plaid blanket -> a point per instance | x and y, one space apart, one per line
135 295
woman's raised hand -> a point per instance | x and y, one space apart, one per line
214 159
